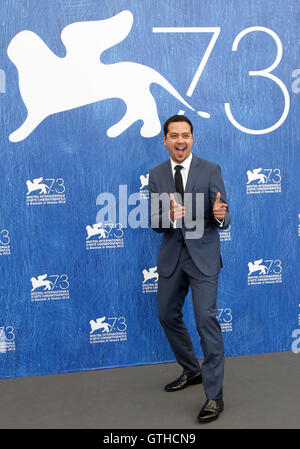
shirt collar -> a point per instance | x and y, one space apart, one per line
185 164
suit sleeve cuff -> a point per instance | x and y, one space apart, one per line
173 222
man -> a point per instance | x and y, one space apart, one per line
190 258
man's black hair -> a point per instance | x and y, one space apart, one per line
177 118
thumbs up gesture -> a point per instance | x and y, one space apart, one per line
177 211
219 209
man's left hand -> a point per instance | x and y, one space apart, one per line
219 209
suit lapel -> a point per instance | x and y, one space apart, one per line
169 177
193 174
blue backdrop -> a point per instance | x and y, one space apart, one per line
78 283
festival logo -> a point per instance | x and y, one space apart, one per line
51 84
104 330
144 186
41 191
265 271
109 235
150 281
7 339
267 180
224 317
225 234
49 287
4 242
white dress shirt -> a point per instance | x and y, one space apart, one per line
185 170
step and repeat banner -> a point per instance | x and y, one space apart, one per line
85 87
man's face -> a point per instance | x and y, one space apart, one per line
179 141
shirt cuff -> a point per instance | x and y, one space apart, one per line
173 222
221 223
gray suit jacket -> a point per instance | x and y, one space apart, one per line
204 177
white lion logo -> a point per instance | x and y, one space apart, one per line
36 185
255 175
99 324
96 229
144 179
50 84
150 274
41 281
256 266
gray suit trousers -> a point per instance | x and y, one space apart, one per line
171 296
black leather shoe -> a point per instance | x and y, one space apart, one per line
184 381
211 410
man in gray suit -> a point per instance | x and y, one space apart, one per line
190 258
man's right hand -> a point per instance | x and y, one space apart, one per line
177 210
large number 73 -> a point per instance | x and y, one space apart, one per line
266 73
